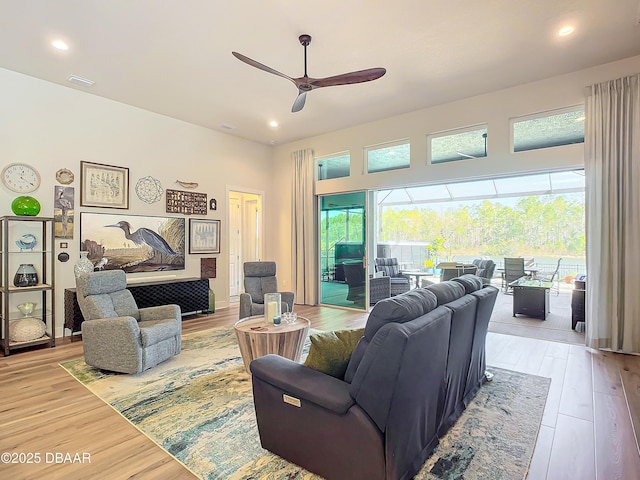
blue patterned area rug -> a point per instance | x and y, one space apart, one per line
198 406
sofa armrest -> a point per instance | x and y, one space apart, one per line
303 382
117 328
288 298
160 312
245 305
113 344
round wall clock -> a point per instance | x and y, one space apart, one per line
20 178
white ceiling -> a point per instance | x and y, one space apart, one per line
174 56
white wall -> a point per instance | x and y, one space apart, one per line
50 127
495 109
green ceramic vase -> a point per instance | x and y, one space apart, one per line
25 206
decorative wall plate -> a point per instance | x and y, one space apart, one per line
149 189
20 178
64 176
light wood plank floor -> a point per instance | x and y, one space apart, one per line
586 431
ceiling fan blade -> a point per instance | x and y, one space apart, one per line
253 63
299 102
347 78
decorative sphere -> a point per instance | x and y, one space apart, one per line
25 206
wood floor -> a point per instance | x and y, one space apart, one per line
586 431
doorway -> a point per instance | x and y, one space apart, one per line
343 247
245 235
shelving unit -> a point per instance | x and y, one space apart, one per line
41 256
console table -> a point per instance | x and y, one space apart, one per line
191 294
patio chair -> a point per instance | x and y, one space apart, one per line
379 287
513 270
399 282
552 277
485 271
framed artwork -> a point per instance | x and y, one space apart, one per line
204 236
133 243
63 212
188 203
104 186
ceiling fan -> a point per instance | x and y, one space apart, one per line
306 84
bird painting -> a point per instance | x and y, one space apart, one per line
145 236
134 243
65 205
27 242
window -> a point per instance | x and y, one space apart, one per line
548 129
391 156
460 144
334 166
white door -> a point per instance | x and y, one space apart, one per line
235 244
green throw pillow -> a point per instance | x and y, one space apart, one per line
330 351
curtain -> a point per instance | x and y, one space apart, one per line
612 170
304 236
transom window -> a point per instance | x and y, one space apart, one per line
389 156
459 144
548 129
336 165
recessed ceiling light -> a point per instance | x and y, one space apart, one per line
566 30
60 45
273 123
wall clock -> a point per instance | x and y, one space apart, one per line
20 178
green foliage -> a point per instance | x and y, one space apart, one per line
545 224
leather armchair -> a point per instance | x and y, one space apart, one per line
116 334
260 278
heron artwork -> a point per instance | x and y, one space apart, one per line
145 236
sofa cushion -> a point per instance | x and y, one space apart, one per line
447 291
330 352
400 309
155 331
470 282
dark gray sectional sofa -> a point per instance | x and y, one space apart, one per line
420 362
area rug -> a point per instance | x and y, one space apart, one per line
198 407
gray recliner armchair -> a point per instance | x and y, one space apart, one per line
260 278
116 334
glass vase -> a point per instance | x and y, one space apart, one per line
26 276
271 307
83 265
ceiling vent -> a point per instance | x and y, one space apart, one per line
84 82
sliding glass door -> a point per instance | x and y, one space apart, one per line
343 241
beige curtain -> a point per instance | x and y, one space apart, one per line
304 229
612 169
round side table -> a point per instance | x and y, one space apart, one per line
257 338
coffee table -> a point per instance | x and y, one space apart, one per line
257 338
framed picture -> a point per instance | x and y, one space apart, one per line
204 236
133 243
104 186
63 212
